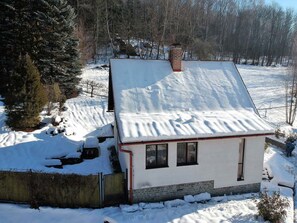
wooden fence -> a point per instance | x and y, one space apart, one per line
114 189
60 190
275 142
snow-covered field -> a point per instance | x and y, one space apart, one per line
266 86
86 116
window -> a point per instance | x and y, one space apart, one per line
186 153
156 156
240 175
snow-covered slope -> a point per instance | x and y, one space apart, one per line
33 150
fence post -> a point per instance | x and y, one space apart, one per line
101 193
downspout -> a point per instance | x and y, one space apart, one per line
130 170
130 161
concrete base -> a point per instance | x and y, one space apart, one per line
154 194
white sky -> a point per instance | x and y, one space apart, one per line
285 3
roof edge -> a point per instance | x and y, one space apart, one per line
196 139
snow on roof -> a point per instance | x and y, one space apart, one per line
206 99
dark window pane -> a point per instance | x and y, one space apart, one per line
156 156
240 174
151 156
241 148
191 155
181 153
162 155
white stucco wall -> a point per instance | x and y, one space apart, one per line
217 160
123 157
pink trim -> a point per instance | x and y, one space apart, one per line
194 139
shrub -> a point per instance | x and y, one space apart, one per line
26 97
53 95
272 208
278 133
291 138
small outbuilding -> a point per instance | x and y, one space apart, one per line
90 148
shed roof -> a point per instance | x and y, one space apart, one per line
206 99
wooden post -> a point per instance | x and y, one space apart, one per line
101 193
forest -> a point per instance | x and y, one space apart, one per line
239 30
45 43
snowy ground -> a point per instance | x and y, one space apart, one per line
33 150
266 86
225 209
242 210
85 117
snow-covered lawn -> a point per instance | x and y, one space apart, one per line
266 86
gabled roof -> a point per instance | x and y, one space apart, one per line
206 99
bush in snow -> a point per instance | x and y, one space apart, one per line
291 138
174 203
203 197
54 95
189 198
278 133
272 208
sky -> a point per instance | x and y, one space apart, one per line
285 3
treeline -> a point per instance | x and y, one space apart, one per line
207 29
39 57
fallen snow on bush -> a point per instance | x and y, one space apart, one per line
281 171
279 168
203 197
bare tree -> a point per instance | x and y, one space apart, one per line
237 29
94 88
291 89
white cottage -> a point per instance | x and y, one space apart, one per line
185 127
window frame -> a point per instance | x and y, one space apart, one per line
240 162
156 157
187 163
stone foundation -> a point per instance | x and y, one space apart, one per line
241 189
154 194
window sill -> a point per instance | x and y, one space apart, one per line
157 167
188 164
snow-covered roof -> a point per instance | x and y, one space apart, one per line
206 99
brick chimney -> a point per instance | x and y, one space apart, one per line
175 57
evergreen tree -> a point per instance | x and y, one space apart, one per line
45 30
15 36
26 96
57 57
